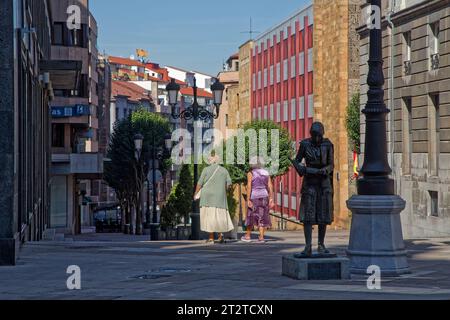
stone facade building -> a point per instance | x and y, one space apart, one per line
336 79
416 42
230 79
243 111
306 69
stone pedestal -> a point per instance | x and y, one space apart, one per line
316 268
376 236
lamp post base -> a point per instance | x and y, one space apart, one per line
195 225
376 237
154 231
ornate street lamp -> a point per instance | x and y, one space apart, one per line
217 89
376 237
196 113
173 90
138 142
154 225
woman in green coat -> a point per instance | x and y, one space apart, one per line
214 215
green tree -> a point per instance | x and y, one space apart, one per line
184 193
119 170
238 172
154 128
353 123
169 215
123 172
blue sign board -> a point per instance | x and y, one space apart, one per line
78 110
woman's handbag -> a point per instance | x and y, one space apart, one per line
199 193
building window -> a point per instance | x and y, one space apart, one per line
254 113
265 112
407 134
310 60
286 201
254 82
62 36
272 114
265 78
58 208
285 70
294 202
301 62
293 110
259 80
407 55
278 112
271 75
278 72
434 134
58 135
434 45
226 120
310 106
293 67
301 112
58 33
259 113
285 111
434 203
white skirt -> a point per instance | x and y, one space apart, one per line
215 220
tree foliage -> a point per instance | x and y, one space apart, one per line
169 213
184 193
122 171
353 123
238 172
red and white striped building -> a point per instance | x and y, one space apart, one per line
282 90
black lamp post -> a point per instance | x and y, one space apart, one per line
195 112
376 237
156 155
375 170
138 145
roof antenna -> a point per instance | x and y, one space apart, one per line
251 32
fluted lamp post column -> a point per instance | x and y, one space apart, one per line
376 237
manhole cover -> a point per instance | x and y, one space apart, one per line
170 270
84 247
161 273
150 276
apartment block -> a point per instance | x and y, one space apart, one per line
77 164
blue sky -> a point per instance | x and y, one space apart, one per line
195 34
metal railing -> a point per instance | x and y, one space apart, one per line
434 61
407 67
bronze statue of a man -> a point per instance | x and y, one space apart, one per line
317 190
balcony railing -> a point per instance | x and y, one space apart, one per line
407 67
434 61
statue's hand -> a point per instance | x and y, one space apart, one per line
302 170
323 172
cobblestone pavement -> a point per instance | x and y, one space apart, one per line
128 267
